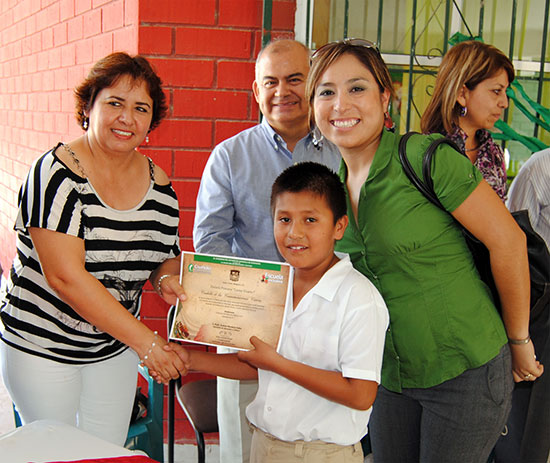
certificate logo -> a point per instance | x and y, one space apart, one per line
234 275
196 268
271 278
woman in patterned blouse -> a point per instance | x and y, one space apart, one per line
469 97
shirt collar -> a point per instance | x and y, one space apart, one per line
273 137
277 141
388 143
459 137
329 283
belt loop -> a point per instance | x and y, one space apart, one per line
357 446
299 449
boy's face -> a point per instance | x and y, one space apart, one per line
304 229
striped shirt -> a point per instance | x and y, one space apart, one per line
122 248
530 190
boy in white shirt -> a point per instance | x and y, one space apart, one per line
315 394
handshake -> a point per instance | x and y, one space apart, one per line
242 365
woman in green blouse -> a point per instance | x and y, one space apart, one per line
448 369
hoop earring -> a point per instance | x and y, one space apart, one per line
317 137
85 123
463 111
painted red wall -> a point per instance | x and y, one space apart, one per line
204 51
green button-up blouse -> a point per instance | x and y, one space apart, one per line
442 318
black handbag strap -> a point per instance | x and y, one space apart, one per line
425 185
539 256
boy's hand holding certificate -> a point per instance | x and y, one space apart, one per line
231 299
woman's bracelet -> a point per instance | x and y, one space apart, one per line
519 341
153 344
163 277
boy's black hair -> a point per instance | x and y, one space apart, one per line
315 178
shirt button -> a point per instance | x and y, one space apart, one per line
397 357
363 253
269 409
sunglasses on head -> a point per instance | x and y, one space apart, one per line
349 41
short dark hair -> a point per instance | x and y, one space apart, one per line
107 71
314 178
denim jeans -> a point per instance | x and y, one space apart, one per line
456 421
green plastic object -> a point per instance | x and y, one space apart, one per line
16 417
458 37
147 433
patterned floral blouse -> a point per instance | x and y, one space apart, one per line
489 161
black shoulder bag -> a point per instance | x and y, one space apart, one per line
538 254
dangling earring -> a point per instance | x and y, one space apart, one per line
388 122
85 123
463 111
317 137
146 138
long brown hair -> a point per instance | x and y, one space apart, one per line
466 64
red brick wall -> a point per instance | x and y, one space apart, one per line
204 51
46 47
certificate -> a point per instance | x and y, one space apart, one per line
231 299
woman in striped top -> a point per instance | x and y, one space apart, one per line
96 218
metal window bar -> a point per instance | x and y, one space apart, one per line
267 22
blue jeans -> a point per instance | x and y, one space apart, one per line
456 421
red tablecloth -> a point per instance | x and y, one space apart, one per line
131 459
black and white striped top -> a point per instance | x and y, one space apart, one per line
122 248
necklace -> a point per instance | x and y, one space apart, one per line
81 169
471 149
75 159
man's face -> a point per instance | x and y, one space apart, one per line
279 87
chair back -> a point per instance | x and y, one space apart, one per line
199 402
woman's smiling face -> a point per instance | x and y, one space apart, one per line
121 115
349 106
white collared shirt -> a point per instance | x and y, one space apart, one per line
339 325
531 190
